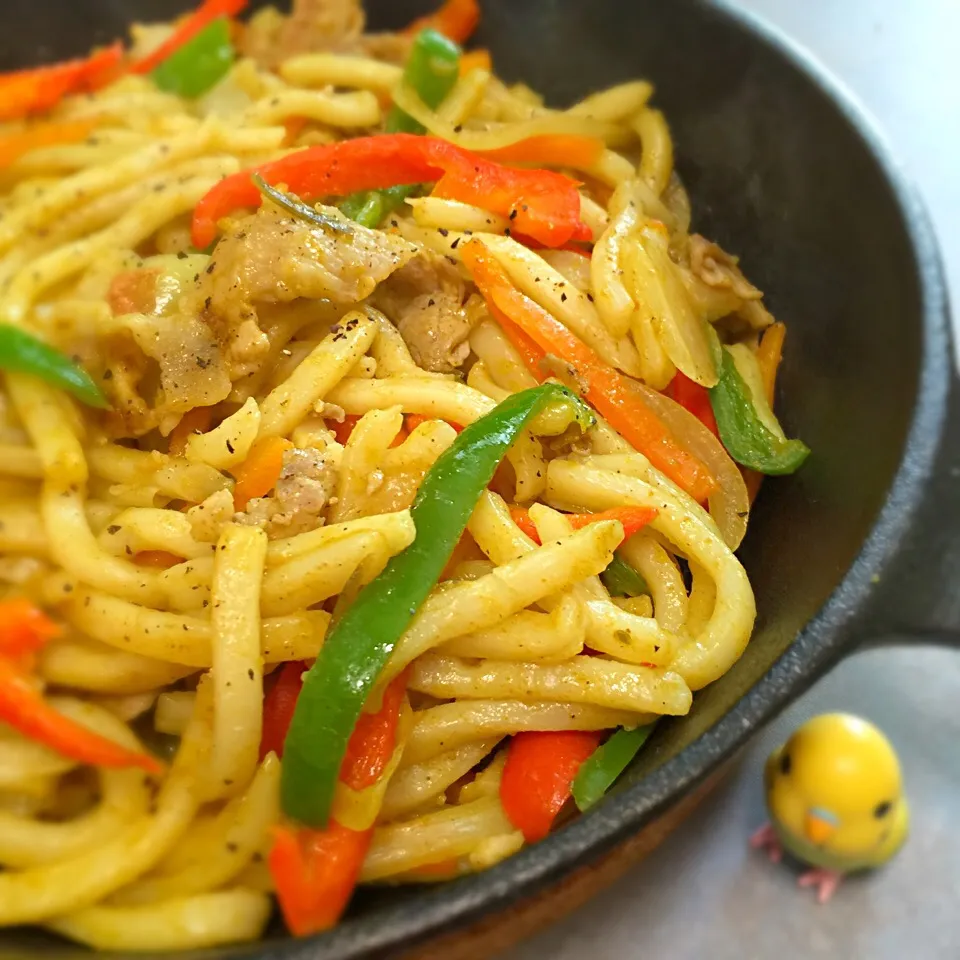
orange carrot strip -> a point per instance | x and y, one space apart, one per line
530 352
158 559
769 355
294 127
259 473
474 60
197 420
23 707
606 389
15 145
521 517
465 550
456 19
442 869
632 518
551 150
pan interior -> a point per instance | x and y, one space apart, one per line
778 175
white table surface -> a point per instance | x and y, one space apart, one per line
703 894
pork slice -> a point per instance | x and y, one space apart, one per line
425 301
312 26
717 268
272 257
307 482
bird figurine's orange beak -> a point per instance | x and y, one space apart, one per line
817 827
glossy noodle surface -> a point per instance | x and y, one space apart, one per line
375 444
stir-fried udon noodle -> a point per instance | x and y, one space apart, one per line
358 519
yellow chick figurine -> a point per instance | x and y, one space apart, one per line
834 795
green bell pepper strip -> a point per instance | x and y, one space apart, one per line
22 353
608 761
366 208
431 70
199 64
621 580
744 435
353 655
297 208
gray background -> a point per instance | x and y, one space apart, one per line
703 894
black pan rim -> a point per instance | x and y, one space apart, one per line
820 644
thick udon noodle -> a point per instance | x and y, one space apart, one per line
117 861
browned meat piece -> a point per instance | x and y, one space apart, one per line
313 25
425 302
307 482
711 264
717 268
271 257
160 364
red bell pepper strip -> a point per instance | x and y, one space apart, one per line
695 398
632 518
374 739
315 873
23 707
538 776
372 742
24 628
24 92
344 428
456 19
606 388
543 204
278 707
202 17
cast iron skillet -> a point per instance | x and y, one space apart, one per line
785 171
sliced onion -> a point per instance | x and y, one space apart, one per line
730 504
659 290
501 135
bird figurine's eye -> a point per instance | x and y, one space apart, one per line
785 764
882 809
